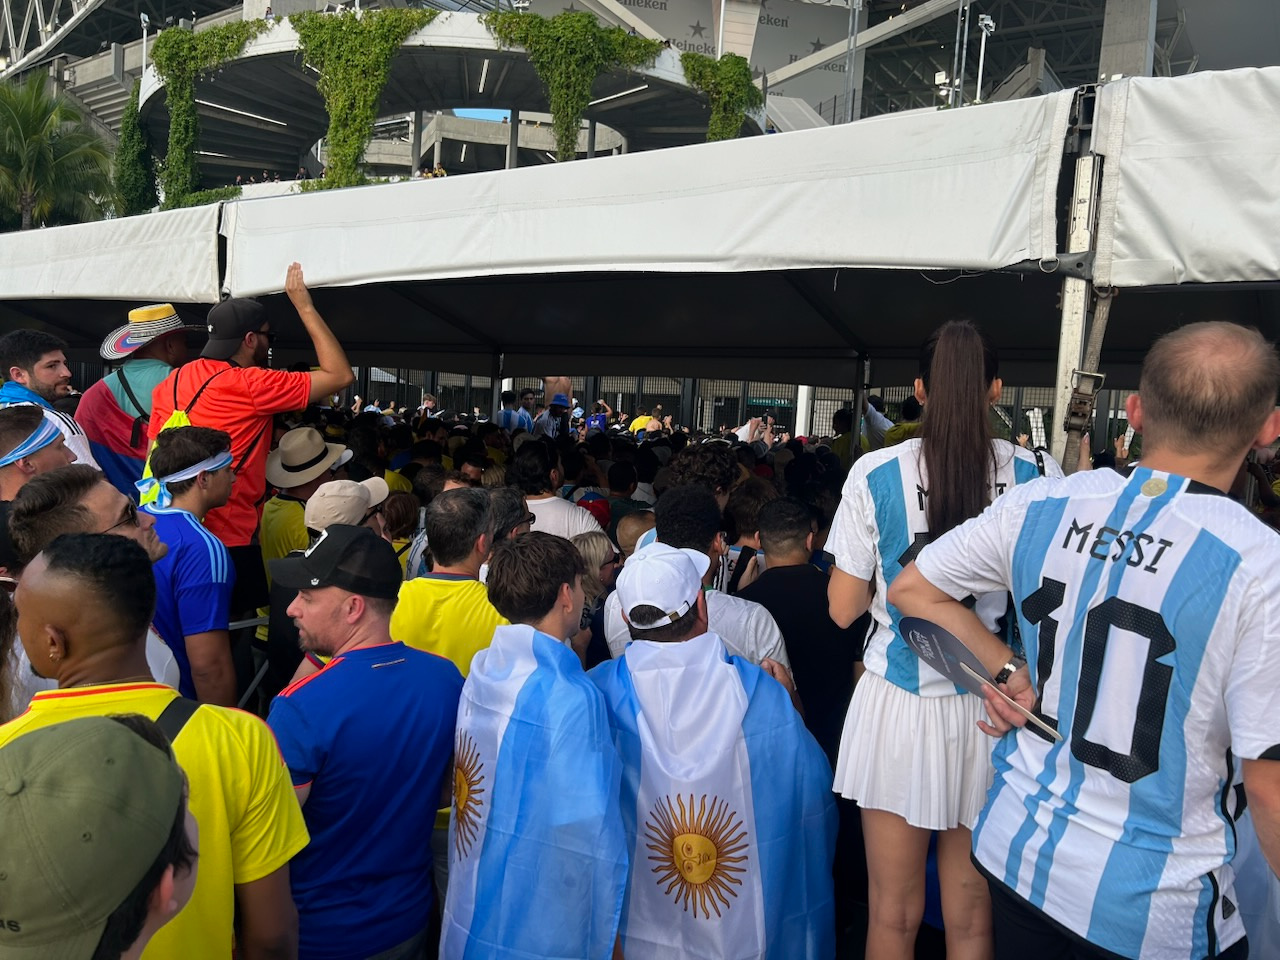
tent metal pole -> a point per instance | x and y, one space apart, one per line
1077 302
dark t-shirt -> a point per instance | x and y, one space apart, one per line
822 655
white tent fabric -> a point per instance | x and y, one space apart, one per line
969 189
1189 188
160 256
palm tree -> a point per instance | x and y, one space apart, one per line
53 167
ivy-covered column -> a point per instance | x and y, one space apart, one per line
353 53
728 86
180 56
569 51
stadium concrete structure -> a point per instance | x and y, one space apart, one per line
262 111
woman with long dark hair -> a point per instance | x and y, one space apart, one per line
911 752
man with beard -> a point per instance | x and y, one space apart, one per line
367 741
34 367
229 389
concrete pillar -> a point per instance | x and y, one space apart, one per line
591 139
1128 39
513 141
859 63
415 149
437 154
804 411
625 147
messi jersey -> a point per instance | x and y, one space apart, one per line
1148 607
880 527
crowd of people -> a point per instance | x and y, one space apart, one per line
572 682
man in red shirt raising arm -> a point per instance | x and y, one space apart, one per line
229 388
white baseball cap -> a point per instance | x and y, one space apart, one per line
343 501
664 577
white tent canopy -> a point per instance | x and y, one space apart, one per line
163 256
1191 182
791 257
975 190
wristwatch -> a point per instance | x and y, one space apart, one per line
1008 670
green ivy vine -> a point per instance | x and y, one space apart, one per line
214 195
728 86
569 51
180 56
134 174
353 52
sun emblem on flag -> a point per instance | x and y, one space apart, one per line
697 851
468 777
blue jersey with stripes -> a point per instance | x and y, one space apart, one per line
193 585
881 526
1150 610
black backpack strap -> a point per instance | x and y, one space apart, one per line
253 443
739 568
175 716
133 397
1039 460
187 408
140 421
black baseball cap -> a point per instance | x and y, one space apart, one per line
227 324
353 558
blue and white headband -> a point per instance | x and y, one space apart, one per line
40 438
161 484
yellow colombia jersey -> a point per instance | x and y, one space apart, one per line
397 482
240 795
283 530
446 614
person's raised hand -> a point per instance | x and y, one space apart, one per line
1122 451
1023 440
1003 717
296 288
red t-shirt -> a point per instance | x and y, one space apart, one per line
241 401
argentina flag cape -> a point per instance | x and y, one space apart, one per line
727 803
537 856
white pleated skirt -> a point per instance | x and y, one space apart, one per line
923 758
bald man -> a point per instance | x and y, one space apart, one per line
84 606
1148 605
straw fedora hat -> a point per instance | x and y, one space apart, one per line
301 457
145 324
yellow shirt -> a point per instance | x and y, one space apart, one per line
639 423
446 614
900 432
397 482
283 530
240 794
842 447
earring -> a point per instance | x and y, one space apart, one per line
55 655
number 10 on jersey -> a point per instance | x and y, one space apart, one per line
1143 757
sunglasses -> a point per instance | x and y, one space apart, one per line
130 517
269 334
372 513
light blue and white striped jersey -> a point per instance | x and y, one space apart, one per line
1150 611
880 527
